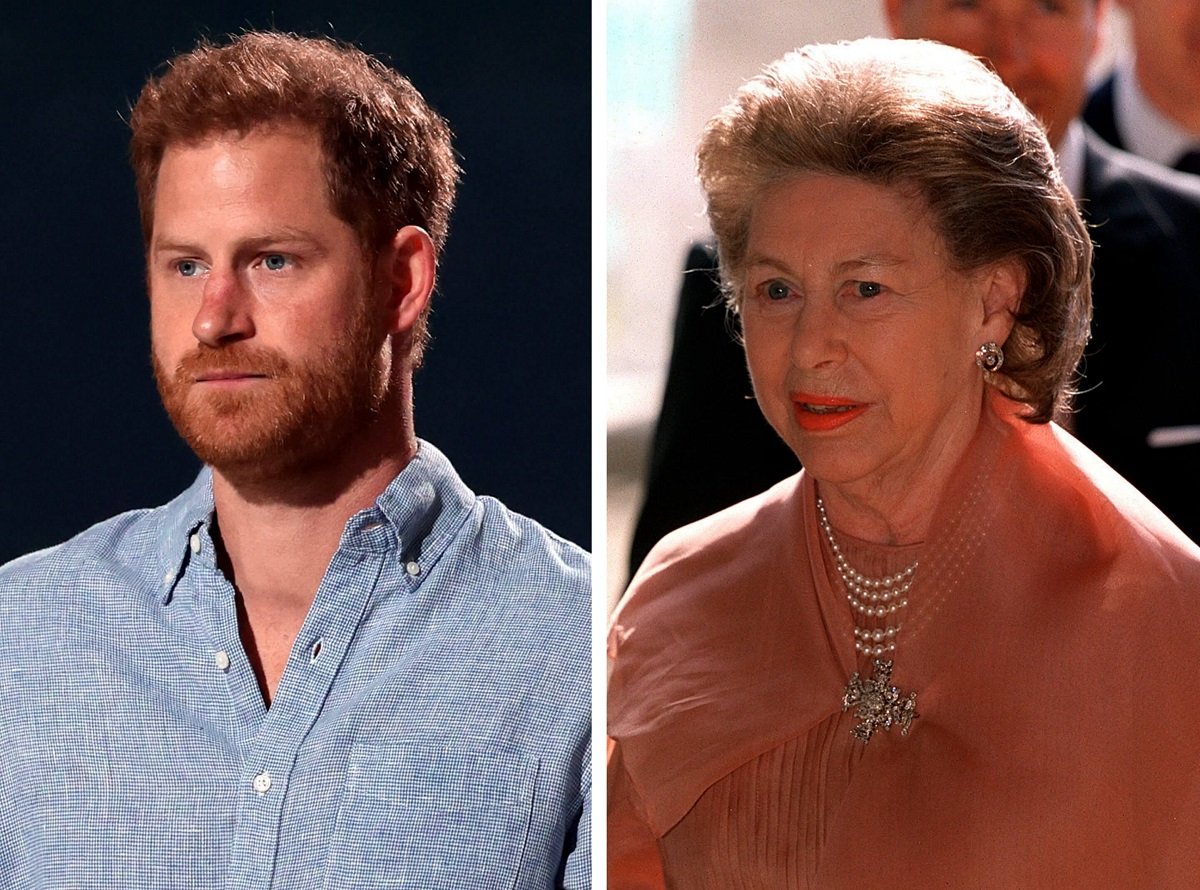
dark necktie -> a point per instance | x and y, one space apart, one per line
1190 162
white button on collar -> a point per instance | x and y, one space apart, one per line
169 576
195 542
222 660
413 568
262 782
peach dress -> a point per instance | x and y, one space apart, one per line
1052 637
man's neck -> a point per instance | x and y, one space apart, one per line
275 540
276 535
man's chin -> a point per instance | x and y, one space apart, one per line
254 451
237 444
250 463
294 424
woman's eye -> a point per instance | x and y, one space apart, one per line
869 289
275 262
777 290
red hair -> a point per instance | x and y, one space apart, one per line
388 154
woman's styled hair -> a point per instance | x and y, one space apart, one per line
388 157
934 122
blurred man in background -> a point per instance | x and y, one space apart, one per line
1150 105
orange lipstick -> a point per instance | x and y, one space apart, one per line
817 414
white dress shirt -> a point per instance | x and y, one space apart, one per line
1070 158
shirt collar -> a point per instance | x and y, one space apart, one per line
418 515
424 506
1070 153
1145 130
181 518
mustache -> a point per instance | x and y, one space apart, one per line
238 358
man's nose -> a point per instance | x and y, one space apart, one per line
224 315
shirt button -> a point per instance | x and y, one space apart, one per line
222 660
262 782
413 568
195 542
169 576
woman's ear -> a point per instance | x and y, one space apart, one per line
1003 286
409 266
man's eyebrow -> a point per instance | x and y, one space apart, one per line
172 245
287 234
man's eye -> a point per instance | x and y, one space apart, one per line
187 268
777 290
275 262
869 289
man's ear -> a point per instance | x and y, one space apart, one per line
1003 287
409 266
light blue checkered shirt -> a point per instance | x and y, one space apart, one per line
438 737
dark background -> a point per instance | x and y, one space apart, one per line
505 388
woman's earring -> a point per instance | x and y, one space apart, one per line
989 356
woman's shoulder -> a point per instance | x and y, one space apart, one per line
1073 517
1106 510
705 644
719 551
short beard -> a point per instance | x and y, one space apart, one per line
302 416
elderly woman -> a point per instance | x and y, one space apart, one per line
957 650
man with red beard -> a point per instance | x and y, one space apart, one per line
328 663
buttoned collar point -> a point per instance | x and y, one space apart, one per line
415 518
422 509
183 518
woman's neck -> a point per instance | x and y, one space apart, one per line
896 505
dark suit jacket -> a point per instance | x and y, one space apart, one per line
713 448
1100 113
1142 368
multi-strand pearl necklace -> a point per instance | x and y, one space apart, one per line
877 703
870 597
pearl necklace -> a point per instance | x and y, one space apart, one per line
871 597
877 703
